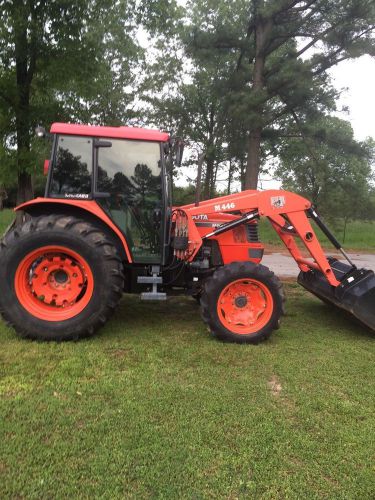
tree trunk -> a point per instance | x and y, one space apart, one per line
262 31
199 178
24 75
253 159
208 178
25 186
213 180
25 190
230 175
242 173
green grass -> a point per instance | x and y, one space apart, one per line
153 407
6 217
360 235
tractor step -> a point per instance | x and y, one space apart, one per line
153 296
150 279
153 280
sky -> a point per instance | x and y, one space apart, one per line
358 75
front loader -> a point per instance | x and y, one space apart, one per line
106 225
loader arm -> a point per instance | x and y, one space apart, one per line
287 213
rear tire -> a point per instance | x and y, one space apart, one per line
242 302
61 278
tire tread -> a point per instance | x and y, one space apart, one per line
214 285
95 238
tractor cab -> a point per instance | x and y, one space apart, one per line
122 169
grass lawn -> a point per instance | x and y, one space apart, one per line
153 407
6 217
360 235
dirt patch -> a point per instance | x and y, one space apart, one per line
119 353
274 386
298 462
332 481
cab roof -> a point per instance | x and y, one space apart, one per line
141 134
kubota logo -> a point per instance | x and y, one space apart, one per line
200 217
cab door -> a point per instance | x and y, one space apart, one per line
129 186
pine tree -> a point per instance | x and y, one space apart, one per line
283 49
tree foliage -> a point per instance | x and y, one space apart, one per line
325 164
283 49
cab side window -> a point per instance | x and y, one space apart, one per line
72 167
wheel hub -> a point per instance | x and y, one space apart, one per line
61 277
54 283
240 301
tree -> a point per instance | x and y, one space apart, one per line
283 49
61 61
325 164
194 107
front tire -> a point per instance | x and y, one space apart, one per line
61 278
242 302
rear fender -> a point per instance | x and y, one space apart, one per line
88 209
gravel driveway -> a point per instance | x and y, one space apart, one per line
284 265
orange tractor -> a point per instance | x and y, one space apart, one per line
106 225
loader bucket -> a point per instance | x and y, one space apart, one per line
355 294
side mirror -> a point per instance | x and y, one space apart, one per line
40 131
46 167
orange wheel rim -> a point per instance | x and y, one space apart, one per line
54 283
245 306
